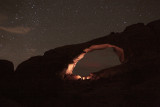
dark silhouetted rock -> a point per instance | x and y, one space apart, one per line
6 68
139 42
40 80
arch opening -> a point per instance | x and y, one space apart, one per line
119 52
96 61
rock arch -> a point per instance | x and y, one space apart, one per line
119 51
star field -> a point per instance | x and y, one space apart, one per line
30 27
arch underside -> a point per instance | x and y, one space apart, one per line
119 51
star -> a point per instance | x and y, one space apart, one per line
124 22
59 22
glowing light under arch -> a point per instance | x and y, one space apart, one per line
119 52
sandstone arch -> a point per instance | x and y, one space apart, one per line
119 51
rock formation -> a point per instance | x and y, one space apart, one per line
135 46
40 80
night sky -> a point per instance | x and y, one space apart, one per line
31 27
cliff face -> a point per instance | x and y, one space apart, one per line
135 46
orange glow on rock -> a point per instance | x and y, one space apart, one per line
71 66
78 77
70 69
88 77
118 51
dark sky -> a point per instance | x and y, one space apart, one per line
30 27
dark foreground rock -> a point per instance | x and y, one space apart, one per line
39 81
6 68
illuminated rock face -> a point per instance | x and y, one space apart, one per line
135 46
118 51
